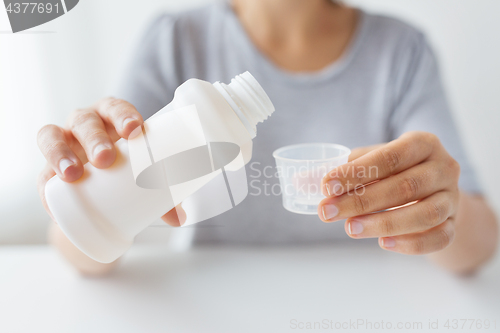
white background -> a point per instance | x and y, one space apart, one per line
74 60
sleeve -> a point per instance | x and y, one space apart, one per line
151 76
420 104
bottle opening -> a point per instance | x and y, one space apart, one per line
248 100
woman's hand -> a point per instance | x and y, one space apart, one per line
414 169
89 136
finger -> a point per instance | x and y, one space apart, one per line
53 144
358 152
88 128
417 217
44 176
394 157
122 115
410 185
175 217
429 241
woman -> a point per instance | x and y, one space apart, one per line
335 74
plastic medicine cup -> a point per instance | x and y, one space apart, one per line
301 168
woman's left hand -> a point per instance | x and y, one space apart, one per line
414 169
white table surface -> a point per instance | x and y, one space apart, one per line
241 290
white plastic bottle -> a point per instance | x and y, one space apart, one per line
185 153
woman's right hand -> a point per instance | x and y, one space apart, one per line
89 136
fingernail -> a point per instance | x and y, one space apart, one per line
355 227
64 164
127 121
388 242
99 148
135 132
329 211
333 187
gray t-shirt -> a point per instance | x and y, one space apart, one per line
386 83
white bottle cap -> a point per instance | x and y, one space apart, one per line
248 100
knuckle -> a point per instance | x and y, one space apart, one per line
390 158
454 167
54 147
433 214
409 135
106 101
361 204
116 105
429 137
113 102
446 236
417 246
46 130
81 117
439 172
120 113
94 134
425 138
409 188
118 109
387 228
359 175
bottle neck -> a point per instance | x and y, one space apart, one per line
248 100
